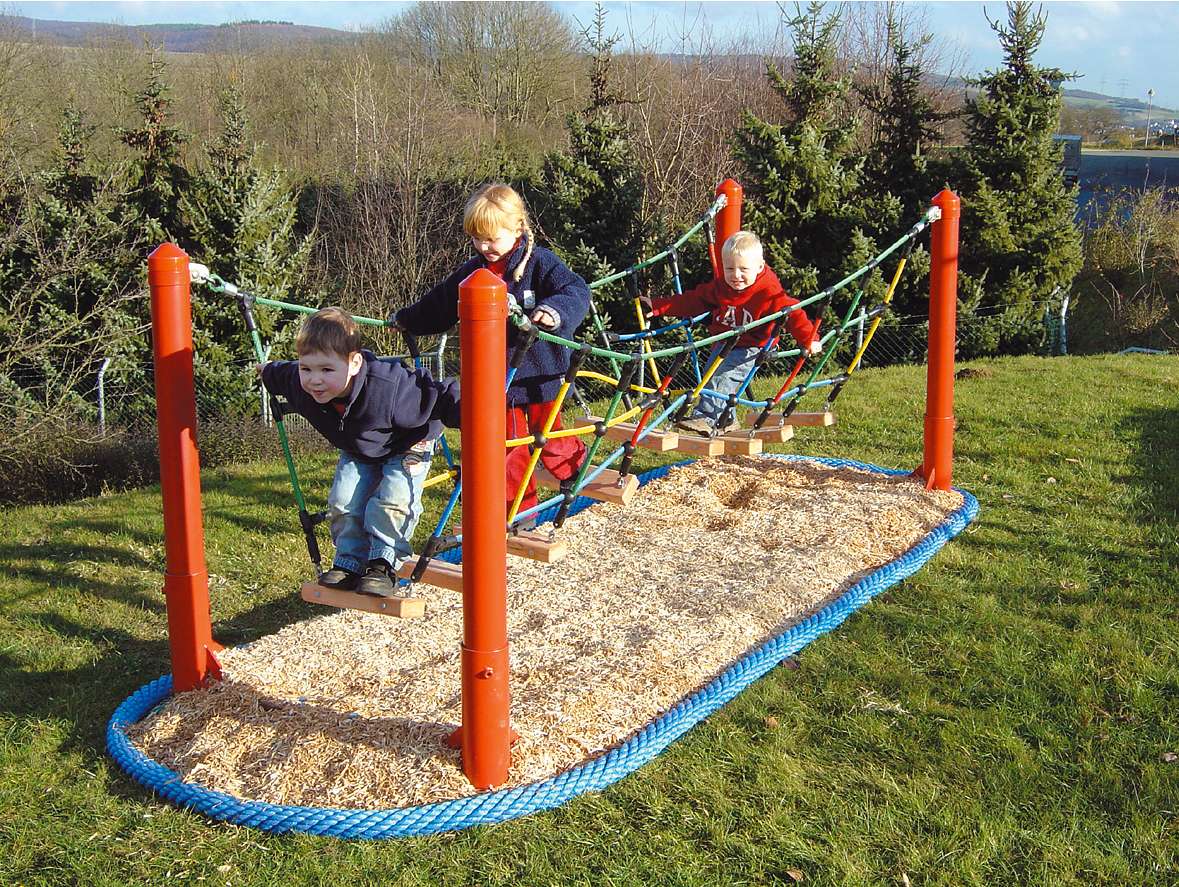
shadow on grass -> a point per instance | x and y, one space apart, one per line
1157 461
83 698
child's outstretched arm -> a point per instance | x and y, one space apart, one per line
281 377
686 304
437 310
801 327
420 398
563 302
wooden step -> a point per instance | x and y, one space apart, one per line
818 420
439 573
534 545
659 441
700 446
740 444
404 607
773 433
604 489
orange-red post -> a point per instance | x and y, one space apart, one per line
728 220
485 736
937 466
186 579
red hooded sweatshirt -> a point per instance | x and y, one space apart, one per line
732 308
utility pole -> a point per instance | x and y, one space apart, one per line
1149 101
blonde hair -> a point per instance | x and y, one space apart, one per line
496 206
744 243
329 331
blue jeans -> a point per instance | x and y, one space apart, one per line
727 379
375 507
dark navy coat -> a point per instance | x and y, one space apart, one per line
545 281
389 409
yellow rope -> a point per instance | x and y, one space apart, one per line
646 342
535 457
876 320
439 478
590 374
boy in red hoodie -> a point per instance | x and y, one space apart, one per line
748 292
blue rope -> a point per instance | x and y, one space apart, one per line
593 775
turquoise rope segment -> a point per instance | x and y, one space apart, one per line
594 775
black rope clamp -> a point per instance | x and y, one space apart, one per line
522 346
836 388
308 522
793 404
631 282
627 376
576 361
428 551
245 303
538 440
628 454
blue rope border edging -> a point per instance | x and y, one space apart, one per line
593 775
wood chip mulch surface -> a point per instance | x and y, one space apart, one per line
351 709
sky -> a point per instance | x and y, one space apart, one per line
1121 48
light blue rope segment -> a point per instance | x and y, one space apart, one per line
594 775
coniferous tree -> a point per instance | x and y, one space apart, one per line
898 162
157 177
71 305
1017 211
591 204
802 181
242 224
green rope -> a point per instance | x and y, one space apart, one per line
769 318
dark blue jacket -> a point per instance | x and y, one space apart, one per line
550 283
389 408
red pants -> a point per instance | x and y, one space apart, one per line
562 457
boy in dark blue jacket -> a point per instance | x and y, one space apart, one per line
384 419
555 298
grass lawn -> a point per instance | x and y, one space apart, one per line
1007 716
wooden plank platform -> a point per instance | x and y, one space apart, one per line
439 573
817 420
701 446
604 489
741 444
659 441
534 545
774 433
404 607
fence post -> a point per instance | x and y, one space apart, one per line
728 220
106 361
485 735
186 578
1064 324
937 465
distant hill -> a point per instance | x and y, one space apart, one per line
175 37
1131 110
264 34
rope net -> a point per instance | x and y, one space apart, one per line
622 387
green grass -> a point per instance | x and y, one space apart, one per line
1000 718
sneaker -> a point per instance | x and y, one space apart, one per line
697 425
730 428
378 580
337 577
